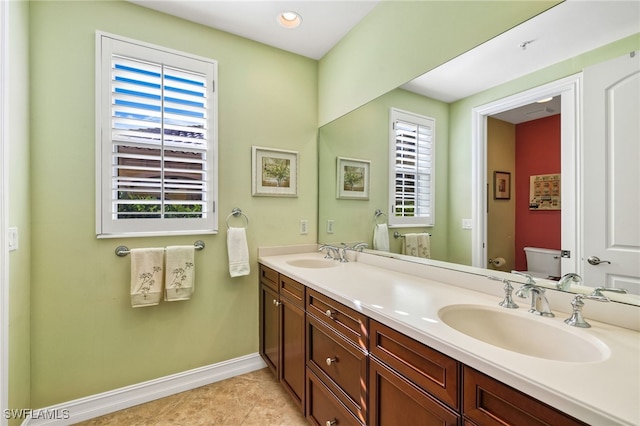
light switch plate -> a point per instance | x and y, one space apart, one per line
467 224
329 226
12 239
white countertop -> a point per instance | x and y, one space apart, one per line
599 393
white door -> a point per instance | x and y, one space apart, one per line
611 174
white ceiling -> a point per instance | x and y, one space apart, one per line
566 30
324 22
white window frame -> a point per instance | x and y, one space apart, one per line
427 218
107 223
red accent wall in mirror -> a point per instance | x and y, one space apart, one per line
537 153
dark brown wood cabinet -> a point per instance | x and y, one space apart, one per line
343 368
337 341
397 401
487 401
282 331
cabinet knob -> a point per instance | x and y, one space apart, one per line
331 422
329 313
331 360
276 302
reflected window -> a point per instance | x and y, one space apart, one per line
412 144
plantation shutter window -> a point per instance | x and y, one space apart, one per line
412 172
157 141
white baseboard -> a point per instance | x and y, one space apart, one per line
118 399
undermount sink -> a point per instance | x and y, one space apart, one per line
529 336
313 263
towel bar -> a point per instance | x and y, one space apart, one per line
122 251
399 235
236 212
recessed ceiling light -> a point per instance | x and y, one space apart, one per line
289 19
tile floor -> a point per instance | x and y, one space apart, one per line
254 398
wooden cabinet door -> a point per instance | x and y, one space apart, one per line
270 328
488 402
292 368
396 401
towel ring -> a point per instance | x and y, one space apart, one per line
378 213
236 212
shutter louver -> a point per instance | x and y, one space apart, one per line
159 141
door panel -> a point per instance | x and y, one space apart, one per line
611 174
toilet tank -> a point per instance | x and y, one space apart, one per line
543 261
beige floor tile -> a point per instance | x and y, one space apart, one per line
254 398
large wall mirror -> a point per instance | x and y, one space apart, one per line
472 173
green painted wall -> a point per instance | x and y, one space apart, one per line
85 337
365 63
19 205
460 183
364 134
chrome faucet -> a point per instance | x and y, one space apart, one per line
539 303
337 255
598 291
358 246
576 319
564 283
507 302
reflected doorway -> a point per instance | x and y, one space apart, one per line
567 91
523 172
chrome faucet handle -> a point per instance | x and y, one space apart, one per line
359 246
564 283
328 252
598 291
529 278
507 302
576 319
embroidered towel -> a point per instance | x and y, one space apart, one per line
381 237
146 276
238 252
418 245
180 273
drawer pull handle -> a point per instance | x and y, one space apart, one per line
331 360
275 302
329 313
331 422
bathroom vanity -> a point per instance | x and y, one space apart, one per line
365 342
375 341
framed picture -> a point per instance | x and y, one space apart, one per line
501 185
353 179
274 172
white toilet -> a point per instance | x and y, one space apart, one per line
542 262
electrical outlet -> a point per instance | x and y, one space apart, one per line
329 226
467 224
304 227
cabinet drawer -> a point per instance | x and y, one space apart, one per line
292 290
396 401
346 321
487 401
427 368
323 407
269 277
341 365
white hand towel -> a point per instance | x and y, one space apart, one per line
238 252
146 276
180 273
381 237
